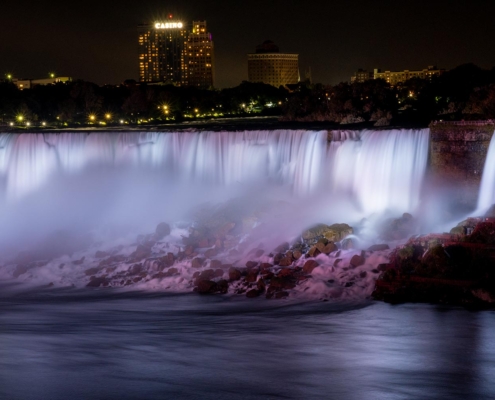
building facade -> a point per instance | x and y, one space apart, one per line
30 83
174 52
397 77
270 66
199 57
362 76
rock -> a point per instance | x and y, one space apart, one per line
286 261
101 254
378 247
92 271
211 253
253 293
286 273
297 254
215 264
234 274
309 266
333 233
206 287
251 264
19 270
337 262
162 230
313 252
329 248
357 260
252 276
219 273
277 258
197 262
281 295
79 262
265 266
282 248
97 282
261 285
112 260
222 286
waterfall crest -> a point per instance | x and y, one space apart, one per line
377 169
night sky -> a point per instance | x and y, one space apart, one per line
97 40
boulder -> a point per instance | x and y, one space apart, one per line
234 274
19 270
253 293
378 247
162 230
197 262
309 266
357 260
206 287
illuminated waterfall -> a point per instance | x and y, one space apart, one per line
487 189
377 169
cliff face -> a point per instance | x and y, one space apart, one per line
458 152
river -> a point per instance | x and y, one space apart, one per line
110 344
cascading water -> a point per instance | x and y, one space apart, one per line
487 189
68 198
379 169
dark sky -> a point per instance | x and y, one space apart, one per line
97 40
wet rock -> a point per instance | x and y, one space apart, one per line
112 260
97 282
329 248
379 247
260 284
309 266
222 286
215 264
197 262
286 273
286 261
19 270
219 273
282 248
162 230
277 258
313 252
281 295
251 264
297 254
357 260
334 233
265 266
206 287
252 276
92 271
337 262
234 274
253 293
79 262
211 253
101 254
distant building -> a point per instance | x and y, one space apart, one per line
171 51
362 76
270 66
30 83
395 78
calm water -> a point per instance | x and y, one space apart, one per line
111 345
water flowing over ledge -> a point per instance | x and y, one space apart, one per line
487 189
378 169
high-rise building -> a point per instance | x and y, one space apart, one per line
270 66
199 60
171 51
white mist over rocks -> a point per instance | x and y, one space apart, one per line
61 193
487 189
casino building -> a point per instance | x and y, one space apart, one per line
177 53
270 66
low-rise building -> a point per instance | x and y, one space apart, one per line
30 83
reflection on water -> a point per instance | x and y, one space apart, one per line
135 346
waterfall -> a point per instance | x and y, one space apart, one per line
377 169
487 189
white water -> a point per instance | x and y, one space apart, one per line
487 189
380 169
128 182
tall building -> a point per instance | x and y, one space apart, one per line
199 60
171 51
270 66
